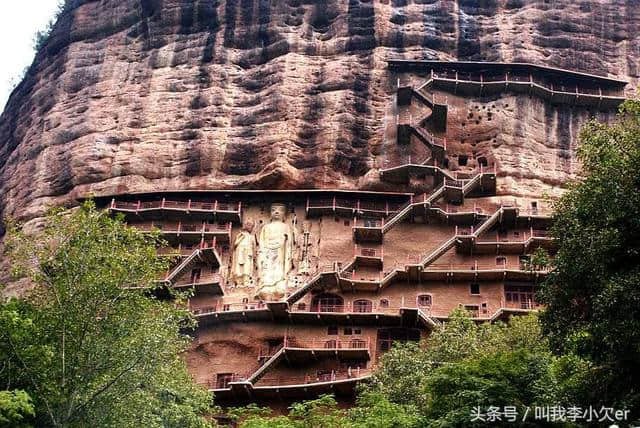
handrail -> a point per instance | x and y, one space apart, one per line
229 307
209 206
331 376
327 344
515 81
180 227
214 278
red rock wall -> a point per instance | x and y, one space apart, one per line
139 95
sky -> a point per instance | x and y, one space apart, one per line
19 22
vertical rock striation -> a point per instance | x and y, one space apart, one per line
143 95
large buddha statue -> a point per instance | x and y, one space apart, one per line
276 243
244 249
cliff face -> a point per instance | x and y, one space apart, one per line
143 95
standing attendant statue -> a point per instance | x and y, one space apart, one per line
277 243
244 249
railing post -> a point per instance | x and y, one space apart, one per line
189 205
334 204
138 206
179 226
215 205
113 203
307 209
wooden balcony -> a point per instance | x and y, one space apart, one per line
495 243
339 383
368 256
304 350
344 207
209 283
216 210
479 270
228 312
368 230
372 314
193 232
313 377
554 85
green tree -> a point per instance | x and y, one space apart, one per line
372 410
592 295
16 409
499 379
464 365
89 343
322 412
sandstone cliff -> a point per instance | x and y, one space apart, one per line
141 95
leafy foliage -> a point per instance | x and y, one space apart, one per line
41 36
89 344
464 365
371 411
592 294
16 409
503 378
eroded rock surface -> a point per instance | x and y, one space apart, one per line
145 95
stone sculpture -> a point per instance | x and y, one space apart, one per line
244 250
275 255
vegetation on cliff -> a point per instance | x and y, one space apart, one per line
89 345
593 293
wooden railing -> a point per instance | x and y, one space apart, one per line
368 223
224 383
228 307
189 205
518 79
180 227
357 205
328 343
188 249
523 238
360 251
329 376
481 265
205 278
347 308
